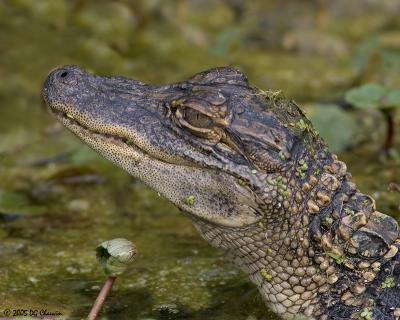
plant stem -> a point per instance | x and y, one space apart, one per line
101 298
389 117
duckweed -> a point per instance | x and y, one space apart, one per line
389 282
337 258
266 275
366 313
190 200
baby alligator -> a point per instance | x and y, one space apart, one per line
248 168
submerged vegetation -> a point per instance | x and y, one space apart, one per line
379 97
58 199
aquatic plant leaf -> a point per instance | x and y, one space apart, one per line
336 126
392 99
369 95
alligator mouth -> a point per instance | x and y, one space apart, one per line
69 121
123 142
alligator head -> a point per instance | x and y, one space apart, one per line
250 171
198 142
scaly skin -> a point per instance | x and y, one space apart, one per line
255 178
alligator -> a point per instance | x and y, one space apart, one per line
256 179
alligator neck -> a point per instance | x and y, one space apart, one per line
277 253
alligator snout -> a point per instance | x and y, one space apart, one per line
60 82
64 75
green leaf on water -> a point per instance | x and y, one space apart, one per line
392 99
369 95
337 127
373 95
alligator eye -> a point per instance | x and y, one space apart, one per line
197 119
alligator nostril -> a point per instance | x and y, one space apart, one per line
64 74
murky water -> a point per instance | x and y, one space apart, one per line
59 200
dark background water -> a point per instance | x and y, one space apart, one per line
58 199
